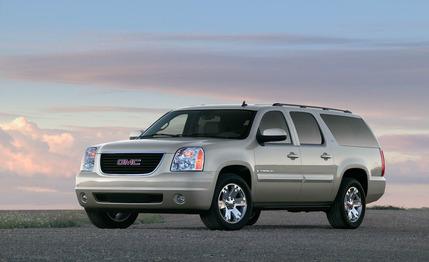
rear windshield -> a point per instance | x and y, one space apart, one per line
225 123
350 131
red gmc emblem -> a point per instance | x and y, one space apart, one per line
128 162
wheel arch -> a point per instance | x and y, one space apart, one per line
360 173
241 169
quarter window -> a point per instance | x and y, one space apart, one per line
350 131
275 119
307 128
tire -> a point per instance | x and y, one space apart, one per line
254 217
338 214
224 218
111 218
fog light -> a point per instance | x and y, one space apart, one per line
83 198
179 199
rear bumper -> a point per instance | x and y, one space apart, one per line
376 188
196 187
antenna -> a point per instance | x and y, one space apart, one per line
244 103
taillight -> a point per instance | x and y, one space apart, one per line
383 162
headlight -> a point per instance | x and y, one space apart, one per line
89 159
188 159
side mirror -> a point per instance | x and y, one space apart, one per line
136 134
271 135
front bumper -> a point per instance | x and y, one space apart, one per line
196 187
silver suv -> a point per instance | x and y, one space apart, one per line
229 162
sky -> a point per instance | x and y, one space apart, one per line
76 73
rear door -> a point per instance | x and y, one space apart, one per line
277 164
317 161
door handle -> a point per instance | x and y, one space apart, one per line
326 156
292 156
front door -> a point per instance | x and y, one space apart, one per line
277 165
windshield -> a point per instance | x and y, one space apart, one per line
225 123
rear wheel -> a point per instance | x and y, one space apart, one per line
111 218
348 209
231 206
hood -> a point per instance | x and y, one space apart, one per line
161 145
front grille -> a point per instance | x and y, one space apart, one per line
128 198
125 163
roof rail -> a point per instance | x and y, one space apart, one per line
314 107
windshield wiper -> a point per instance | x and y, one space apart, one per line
162 135
201 135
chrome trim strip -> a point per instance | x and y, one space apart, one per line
272 177
318 178
131 151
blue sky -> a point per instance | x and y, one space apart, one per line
74 73
352 19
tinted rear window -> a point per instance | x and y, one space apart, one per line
350 131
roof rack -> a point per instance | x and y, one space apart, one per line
314 107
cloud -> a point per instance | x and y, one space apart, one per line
257 38
36 189
417 143
31 150
59 143
36 192
3 114
92 109
407 157
405 195
28 150
360 79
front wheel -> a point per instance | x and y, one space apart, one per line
254 217
348 209
111 218
231 206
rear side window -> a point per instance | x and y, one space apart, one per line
350 131
307 128
275 119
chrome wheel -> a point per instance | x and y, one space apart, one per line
118 216
353 204
232 203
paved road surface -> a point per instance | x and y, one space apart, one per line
384 236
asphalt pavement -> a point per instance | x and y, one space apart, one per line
385 235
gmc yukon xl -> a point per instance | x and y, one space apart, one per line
227 163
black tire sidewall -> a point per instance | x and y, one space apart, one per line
254 217
101 219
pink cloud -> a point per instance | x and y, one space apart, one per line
92 109
36 189
407 157
59 143
28 150
31 150
367 80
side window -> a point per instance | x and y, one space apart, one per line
350 131
307 128
275 119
